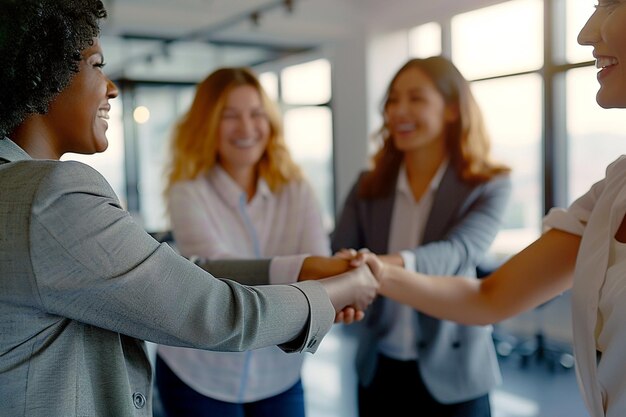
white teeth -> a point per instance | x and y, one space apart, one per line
405 127
603 62
244 142
103 114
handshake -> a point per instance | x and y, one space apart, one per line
351 279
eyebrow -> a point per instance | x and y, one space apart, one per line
99 54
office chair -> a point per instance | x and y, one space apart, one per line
538 347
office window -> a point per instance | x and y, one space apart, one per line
514 124
498 46
305 99
307 83
165 104
576 14
269 81
595 135
425 40
500 39
308 132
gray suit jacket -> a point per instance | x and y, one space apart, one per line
82 285
457 362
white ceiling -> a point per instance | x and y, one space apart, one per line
178 39
308 21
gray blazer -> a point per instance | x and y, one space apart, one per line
457 363
82 285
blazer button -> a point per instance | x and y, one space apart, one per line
421 345
139 401
456 345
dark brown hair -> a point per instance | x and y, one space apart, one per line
467 140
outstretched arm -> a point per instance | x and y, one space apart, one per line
538 273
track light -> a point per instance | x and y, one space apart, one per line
255 17
288 5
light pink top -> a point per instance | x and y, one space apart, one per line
211 219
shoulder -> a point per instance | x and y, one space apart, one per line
359 180
297 189
190 187
60 179
502 181
56 176
617 167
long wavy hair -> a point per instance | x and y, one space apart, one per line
194 146
467 141
40 47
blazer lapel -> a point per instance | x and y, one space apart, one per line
449 195
381 210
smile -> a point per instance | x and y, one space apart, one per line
605 62
405 127
244 142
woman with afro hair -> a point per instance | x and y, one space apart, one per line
82 285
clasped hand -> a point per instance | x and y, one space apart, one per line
350 283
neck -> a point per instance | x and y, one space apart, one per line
424 163
32 136
245 177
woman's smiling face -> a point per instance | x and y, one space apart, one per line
244 129
606 32
78 115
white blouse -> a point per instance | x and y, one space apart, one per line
599 291
211 218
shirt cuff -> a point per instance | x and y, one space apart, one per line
286 269
558 218
321 318
408 258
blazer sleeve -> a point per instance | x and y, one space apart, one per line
244 271
93 263
472 230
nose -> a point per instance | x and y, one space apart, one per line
398 107
590 33
112 90
246 125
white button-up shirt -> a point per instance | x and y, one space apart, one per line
211 218
406 231
599 291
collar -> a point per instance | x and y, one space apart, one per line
403 187
10 151
230 191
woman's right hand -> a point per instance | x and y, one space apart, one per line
356 288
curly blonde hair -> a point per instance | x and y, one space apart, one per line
194 143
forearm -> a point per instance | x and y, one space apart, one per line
446 297
528 279
316 267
